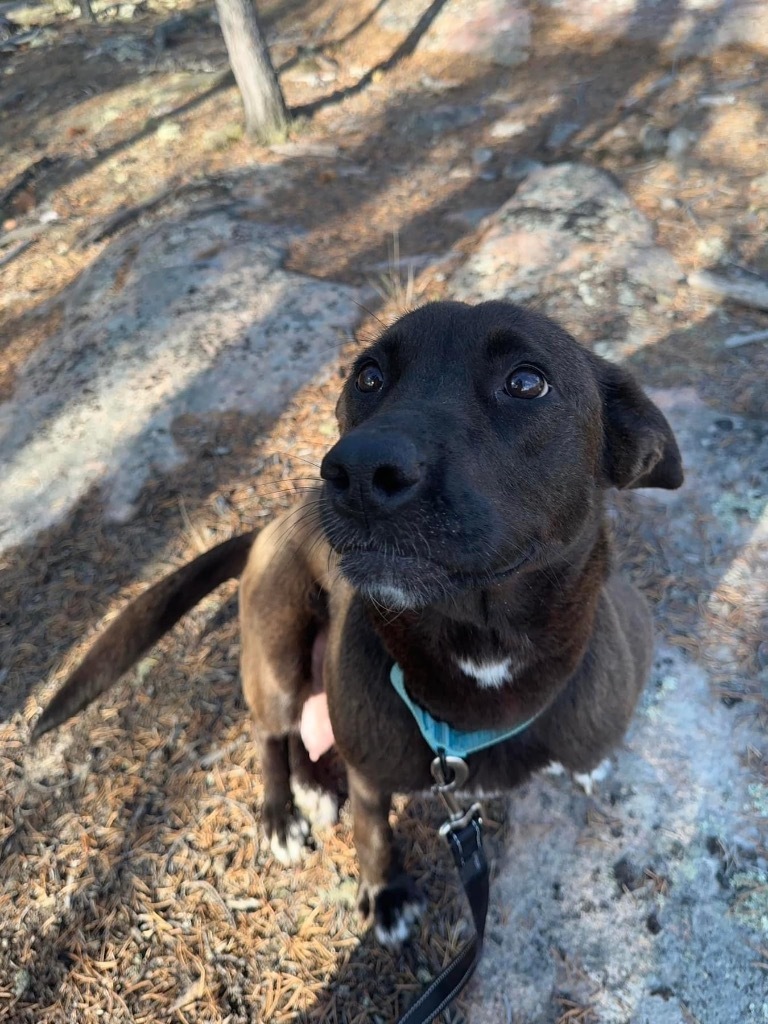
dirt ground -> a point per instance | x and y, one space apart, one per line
134 883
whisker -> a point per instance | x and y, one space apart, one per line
297 520
295 485
304 515
293 455
370 313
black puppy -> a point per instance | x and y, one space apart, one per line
453 569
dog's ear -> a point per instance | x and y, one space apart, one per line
639 448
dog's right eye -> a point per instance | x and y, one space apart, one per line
370 379
526 382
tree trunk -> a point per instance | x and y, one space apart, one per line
86 11
266 116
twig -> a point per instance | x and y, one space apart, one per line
23 233
735 340
16 251
200 543
746 293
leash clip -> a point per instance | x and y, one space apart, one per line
463 832
450 773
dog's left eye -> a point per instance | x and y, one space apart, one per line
526 382
370 378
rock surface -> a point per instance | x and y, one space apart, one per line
571 241
191 316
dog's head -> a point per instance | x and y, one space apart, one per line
476 441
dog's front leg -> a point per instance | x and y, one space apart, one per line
388 897
286 829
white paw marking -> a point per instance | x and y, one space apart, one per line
291 849
555 768
318 805
490 675
407 917
587 780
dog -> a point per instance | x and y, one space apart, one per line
459 532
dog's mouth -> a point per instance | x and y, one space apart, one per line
408 581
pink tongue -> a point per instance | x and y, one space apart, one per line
315 728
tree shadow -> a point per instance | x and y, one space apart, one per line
405 49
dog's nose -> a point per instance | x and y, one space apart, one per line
371 472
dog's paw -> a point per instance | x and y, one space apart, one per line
289 835
587 780
394 909
317 805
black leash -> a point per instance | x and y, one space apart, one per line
464 832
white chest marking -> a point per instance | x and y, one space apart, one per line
491 674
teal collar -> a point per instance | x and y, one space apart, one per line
442 737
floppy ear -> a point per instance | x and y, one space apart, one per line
639 448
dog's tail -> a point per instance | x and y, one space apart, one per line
141 625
